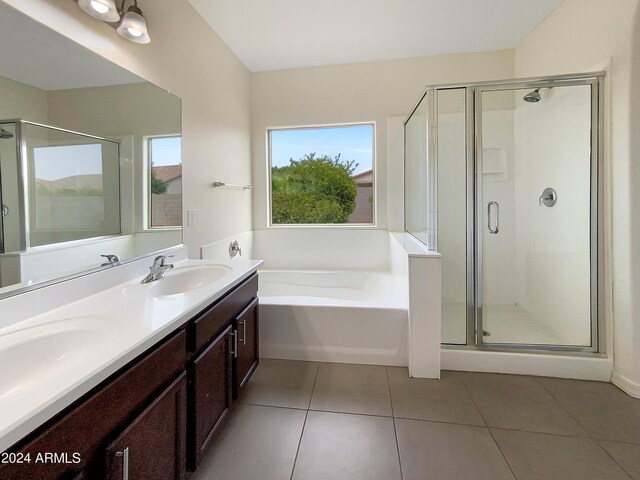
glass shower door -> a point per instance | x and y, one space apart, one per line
535 174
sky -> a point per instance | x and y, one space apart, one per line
53 163
352 142
166 151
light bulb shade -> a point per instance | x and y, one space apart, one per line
133 27
104 10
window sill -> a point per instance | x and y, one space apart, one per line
325 226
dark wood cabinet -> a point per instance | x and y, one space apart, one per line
155 417
248 346
211 393
154 445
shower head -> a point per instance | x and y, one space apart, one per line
533 97
5 134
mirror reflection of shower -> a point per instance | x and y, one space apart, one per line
533 97
56 185
4 134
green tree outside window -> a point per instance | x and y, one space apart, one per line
313 190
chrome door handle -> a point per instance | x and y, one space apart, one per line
125 463
244 331
496 229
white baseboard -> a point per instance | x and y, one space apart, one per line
626 385
545 365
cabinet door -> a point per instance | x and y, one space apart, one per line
154 445
211 390
248 349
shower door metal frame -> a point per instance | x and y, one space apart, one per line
475 215
21 148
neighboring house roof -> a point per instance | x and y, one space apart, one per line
168 172
364 178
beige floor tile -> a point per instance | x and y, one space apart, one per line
627 455
281 383
448 452
444 400
338 446
605 411
536 456
519 403
352 389
259 443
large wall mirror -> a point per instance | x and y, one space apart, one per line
90 159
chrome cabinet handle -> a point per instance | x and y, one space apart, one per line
496 229
234 351
125 463
5 210
244 331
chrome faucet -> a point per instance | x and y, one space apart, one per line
111 260
234 249
157 269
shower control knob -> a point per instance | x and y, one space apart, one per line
548 198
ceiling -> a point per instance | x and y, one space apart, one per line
35 55
279 34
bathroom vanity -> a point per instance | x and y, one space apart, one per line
104 376
155 417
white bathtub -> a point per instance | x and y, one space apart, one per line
344 316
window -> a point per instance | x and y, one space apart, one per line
165 181
322 175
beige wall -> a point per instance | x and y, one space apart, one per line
22 101
189 59
583 35
360 92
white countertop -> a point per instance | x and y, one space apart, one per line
116 324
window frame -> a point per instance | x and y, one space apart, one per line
374 159
148 154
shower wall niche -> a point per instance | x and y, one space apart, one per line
509 195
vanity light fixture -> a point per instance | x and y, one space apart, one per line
104 10
130 23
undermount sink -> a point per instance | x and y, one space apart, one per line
187 279
37 353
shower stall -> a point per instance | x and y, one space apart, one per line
55 186
504 179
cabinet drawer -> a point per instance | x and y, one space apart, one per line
217 318
87 425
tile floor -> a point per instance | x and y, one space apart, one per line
308 421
